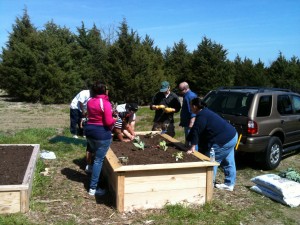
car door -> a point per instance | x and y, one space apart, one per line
296 117
289 118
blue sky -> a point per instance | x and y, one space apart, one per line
256 29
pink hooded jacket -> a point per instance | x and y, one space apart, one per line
100 113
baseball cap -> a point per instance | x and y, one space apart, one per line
164 86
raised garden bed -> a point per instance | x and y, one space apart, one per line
18 164
153 185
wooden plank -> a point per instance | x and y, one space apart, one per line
202 157
120 192
9 188
24 201
9 202
209 183
28 177
147 132
183 147
165 166
158 199
113 160
150 181
110 175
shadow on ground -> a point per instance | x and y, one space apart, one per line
67 140
81 177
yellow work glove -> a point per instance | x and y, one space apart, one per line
169 110
160 106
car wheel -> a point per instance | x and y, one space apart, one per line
273 153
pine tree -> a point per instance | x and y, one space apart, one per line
210 67
178 63
19 60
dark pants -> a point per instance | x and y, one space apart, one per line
169 129
75 119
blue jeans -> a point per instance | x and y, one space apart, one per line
186 132
225 156
100 148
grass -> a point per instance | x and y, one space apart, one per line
240 207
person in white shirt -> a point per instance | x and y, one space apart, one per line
78 111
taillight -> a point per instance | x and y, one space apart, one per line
252 127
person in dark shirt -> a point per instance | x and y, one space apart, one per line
165 103
212 131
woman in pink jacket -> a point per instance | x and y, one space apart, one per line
98 132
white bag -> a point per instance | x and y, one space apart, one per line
281 186
292 202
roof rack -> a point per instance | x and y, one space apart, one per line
259 89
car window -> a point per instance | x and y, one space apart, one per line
235 103
284 105
296 103
264 106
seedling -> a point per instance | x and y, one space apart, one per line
178 155
138 143
163 145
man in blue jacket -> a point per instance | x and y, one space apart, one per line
187 117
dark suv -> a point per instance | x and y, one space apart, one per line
268 119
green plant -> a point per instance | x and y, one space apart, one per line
163 145
290 174
178 155
138 143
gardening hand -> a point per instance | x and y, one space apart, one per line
190 151
169 110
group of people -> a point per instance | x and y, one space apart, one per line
203 128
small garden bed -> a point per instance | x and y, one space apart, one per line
142 183
17 171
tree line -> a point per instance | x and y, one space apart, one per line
53 64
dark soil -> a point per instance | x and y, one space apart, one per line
15 159
152 153
13 163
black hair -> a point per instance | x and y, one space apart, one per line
131 107
198 103
99 88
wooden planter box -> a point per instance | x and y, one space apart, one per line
15 198
154 185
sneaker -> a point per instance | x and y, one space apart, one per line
75 136
88 169
224 187
98 192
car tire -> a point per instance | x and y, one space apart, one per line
273 153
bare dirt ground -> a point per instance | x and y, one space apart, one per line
67 196
20 115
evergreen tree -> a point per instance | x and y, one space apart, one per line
210 67
178 63
57 76
19 60
91 54
284 73
249 74
135 67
